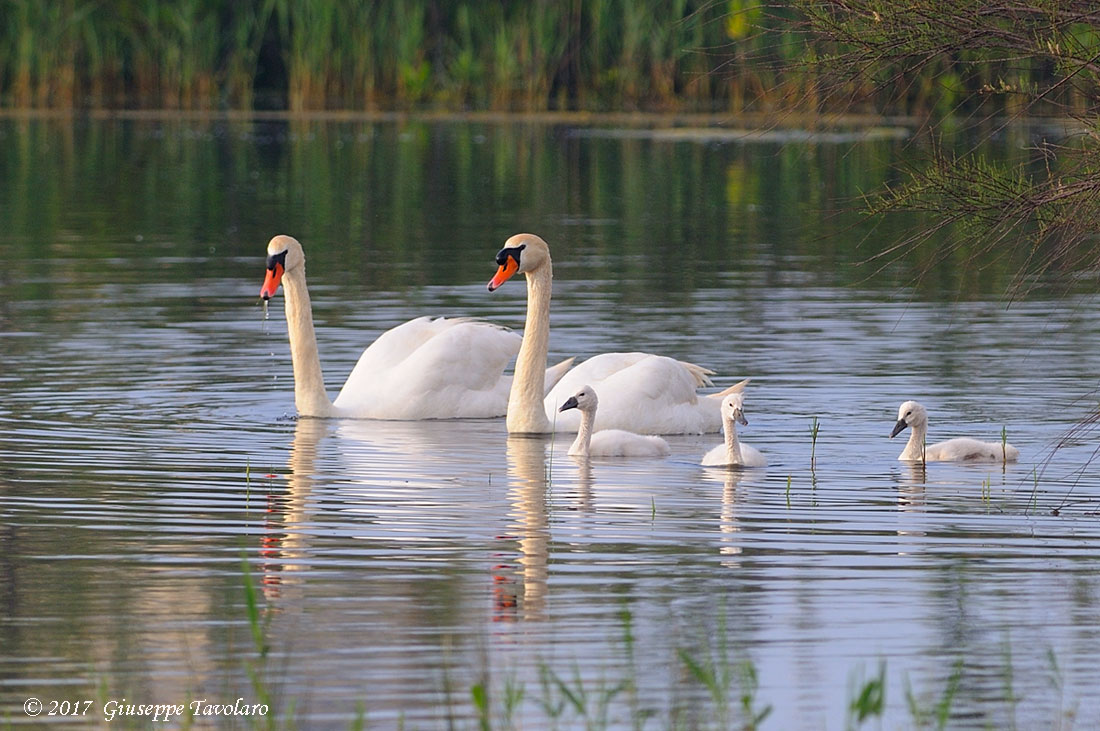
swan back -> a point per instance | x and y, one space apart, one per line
432 368
619 443
964 449
718 456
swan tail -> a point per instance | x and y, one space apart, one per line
555 372
699 373
735 388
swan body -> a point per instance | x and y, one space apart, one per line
733 452
914 415
426 368
607 442
638 391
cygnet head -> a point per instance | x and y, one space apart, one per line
521 254
284 254
733 408
910 413
585 400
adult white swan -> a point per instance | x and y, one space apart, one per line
607 442
913 415
733 452
638 391
422 369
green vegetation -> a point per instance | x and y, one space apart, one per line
710 55
345 54
978 65
814 429
720 686
869 699
939 713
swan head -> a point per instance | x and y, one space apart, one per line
910 413
521 254
585 400
284 254
733 408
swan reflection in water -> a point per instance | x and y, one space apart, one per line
524 594
729 525
284 545
373 480
404 487
911 500
911 484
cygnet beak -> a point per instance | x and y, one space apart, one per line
740 416
570 403
898 428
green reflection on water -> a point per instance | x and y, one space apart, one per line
394 205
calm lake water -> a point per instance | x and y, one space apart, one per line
148 449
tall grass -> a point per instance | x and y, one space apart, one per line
324 54
704 55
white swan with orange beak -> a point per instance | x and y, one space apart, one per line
641 392
426 368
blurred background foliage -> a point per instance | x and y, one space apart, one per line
729 56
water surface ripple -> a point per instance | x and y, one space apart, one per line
148 445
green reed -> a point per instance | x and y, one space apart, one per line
259 623
562 700
814 430
735 55
940 712
346 54
868 699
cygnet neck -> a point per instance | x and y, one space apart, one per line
914 448
583 443
733 447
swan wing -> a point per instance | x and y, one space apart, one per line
640 392
752 457
965 449
716 457
432 369
555 373
619 443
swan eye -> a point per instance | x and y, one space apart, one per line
908 413
504 254
279 258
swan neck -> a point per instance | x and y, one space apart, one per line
914 448
526 413
309 382
582 444
733 447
